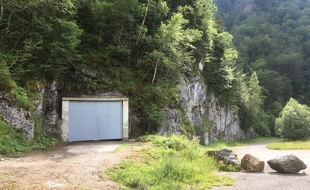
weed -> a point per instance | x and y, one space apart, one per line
222 166
124 146
13 143
171 163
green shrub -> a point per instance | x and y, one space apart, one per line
171 163
294 121
222 166
14 143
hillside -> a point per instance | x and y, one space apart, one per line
272 38
140 49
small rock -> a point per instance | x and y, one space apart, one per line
225 155
252 164
287 164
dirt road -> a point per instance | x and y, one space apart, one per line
269 179
74 166
81 166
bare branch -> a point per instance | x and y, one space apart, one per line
142 24
155 71
13 63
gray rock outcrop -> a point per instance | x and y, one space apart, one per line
50 112
225 155
287 164
252 164
195 104
18 118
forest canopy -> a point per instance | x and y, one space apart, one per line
272 38
141 48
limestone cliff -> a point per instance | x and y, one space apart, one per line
18 118
196 104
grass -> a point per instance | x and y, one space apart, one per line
14 143
290 145
232 144
169 163
124 146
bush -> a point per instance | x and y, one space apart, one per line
294 121
170 163
14 143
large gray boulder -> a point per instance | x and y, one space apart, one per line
287 164
252 164
226 155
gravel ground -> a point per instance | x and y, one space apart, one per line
269 179
81 166
73 166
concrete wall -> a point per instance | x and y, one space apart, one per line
64 126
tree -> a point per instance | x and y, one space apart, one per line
282 65
39 38
257 116
293 122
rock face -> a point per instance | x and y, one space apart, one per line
21 120
17 118
287 164
252 164
226 155
197 104
50 108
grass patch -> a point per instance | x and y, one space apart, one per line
232 144
13 143
170 163
124 146
291 145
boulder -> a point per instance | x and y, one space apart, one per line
287 164
225 155
252 164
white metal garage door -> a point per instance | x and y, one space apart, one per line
95 120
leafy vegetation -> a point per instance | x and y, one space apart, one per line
294 121
170 163
14 143
253 115
292 145
137 47
272 39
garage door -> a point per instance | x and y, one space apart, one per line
95 120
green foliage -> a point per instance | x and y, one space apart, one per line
187 128
252 113
124 146
222 166
171 163
282 66
38 38
138 48
14 143
6 82
293 122
22 100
